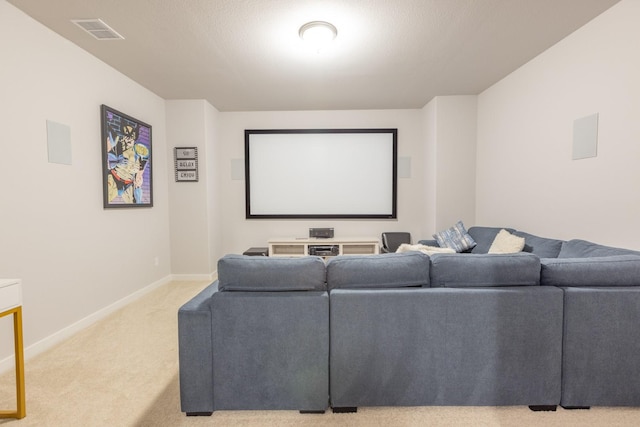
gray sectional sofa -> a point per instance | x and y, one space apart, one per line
555 324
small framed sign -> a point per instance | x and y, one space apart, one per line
186 164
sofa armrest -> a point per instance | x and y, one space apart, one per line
195 352
600 335
620 270
485 270
271 350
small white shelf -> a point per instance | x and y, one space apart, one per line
11 304
10 294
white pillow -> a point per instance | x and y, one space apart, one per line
506 243
429 250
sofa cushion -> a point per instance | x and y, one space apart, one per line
581 248
541 246
618 270
393 270
506 243
266 274
456 238
488 270
484 237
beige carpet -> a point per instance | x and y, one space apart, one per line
123 371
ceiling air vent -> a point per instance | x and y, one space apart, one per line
98 29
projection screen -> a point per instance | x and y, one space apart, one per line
321 173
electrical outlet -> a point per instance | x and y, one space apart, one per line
156 261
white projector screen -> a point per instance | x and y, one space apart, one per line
321 173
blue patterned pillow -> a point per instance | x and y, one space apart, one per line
455 238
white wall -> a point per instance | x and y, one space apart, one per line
195 223
455 160
239 233
215 185
75 258
526 177
428 195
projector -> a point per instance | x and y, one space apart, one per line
323 233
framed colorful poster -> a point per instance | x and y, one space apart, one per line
126 160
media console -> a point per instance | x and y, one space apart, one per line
304 246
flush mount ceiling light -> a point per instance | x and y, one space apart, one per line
318 34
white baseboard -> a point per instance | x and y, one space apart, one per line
57 337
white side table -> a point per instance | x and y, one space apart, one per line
11 303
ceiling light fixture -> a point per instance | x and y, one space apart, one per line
318 34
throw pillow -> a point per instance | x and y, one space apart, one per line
425 249
506 243
456 238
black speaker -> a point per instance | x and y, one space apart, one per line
323 233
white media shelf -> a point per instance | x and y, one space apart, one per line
304 246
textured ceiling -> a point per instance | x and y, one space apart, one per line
245 55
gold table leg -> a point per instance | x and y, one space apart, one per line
21 411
